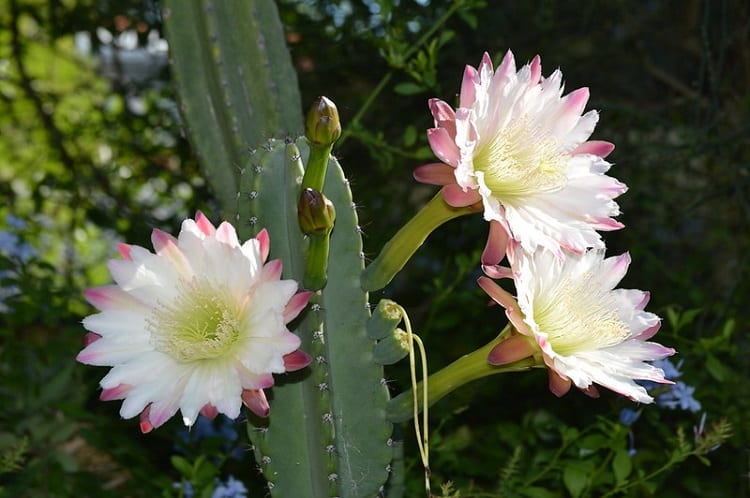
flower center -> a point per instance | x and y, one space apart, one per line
521 160
578 316
201 323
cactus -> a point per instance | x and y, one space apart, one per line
236 82
327 433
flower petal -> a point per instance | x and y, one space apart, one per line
198 326
435 174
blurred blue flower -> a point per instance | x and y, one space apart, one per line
8 242
12 247
186 487
232 488
15 222
204 428
671 371
679 396
628 416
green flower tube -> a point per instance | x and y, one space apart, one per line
469 367
408 239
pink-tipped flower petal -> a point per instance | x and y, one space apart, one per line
558 385
444 115
497 293
265 244
535 71
255 400
514 348
145 422
595 147
456 196
435 174
497 244
124 250
191 326
522 148
90 338
443 145
586 331
204 225
296 304
118 392
209 411
271 271
296 360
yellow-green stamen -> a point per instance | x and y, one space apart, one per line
200 323
579 316
520 160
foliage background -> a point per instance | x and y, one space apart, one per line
91 153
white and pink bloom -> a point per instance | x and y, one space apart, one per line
520 148
199 325
569 315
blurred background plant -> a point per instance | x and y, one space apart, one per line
91 153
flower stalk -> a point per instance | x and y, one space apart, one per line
408 239
316 216
322 129
469 367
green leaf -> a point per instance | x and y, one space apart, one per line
410 136
590 444
408 88
537 492
182 466
622 465
716 368
575 479
728 329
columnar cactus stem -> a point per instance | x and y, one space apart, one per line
326 434
236 82
329 426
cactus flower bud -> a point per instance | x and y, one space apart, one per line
315 213
392 348
322 125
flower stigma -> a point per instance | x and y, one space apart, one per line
209 329
579 316
520 160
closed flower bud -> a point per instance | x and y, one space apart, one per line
315 213
322 125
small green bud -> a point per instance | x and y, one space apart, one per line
391 348
384 319
322 125
315 213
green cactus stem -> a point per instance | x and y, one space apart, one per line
327 434
408 239
236 82
469 367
